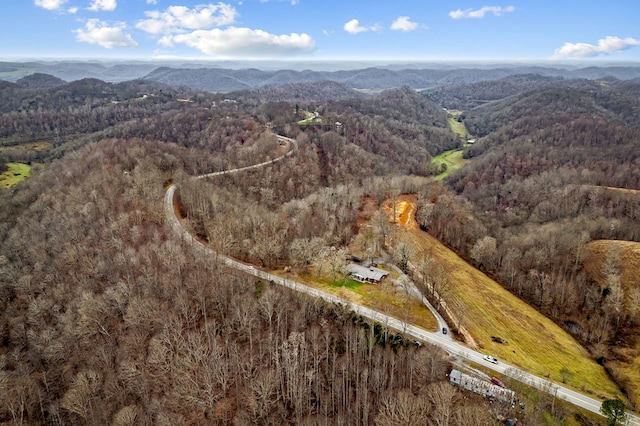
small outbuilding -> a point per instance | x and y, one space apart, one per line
364 274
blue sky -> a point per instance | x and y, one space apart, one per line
413 30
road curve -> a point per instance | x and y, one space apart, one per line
444 342
413 290
256 166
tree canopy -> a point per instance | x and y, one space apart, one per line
613 410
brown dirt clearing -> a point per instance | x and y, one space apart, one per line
627 254
405 211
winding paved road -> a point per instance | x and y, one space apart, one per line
436 338
413 290
293 147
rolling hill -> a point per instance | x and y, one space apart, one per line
538 181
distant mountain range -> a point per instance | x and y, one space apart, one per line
227 80
223 80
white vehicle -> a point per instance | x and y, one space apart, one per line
490 359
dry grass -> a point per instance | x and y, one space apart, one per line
381 297
622 190
531 340
631 371
29 146
628 253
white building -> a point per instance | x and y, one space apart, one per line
482 387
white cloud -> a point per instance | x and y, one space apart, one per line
480 13
152 1
403 23
354 27
98 32
605 46
180 18
72 10
50 4
108 5
243 42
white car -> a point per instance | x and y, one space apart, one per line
490 359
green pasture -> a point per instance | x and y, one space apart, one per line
457 127
17 173
452 161
349 283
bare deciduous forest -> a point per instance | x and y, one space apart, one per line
108 319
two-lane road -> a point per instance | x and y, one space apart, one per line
437 338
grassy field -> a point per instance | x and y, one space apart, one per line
489 312
630 370
346 283
308 119
17 173
382 297
452 159
458 127
492 314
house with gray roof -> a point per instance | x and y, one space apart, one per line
364 274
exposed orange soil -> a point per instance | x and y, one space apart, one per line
405 211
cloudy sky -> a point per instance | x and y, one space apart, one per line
322 29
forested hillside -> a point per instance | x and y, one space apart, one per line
298 92
107 318
468 96
38 124
540 181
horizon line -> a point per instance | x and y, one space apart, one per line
319 60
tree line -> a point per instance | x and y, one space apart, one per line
539 184
108 318
105 315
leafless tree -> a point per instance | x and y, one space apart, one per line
403 408
442 396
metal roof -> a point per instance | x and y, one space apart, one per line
370 273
